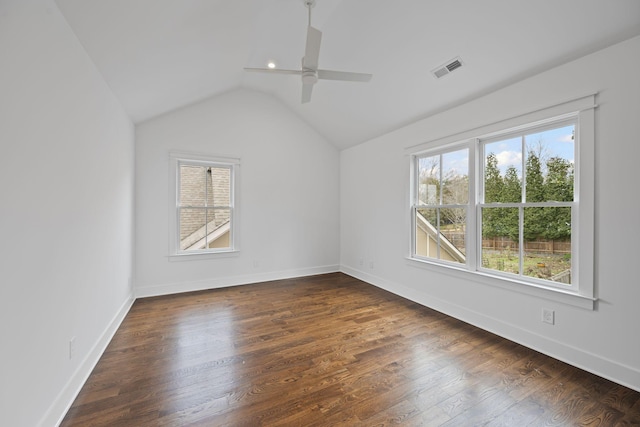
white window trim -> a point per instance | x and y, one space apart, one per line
583 295
175 158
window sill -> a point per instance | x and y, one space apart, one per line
203 256
553 294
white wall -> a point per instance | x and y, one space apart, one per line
375 217
288 193
66 185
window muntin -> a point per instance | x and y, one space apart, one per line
204 209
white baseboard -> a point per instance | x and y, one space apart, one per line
56 412
590 362
223 282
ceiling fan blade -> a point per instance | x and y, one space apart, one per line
312 50
344 75
306 92
273 71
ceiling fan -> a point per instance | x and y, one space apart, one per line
309 71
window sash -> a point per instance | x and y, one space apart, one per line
205 165
439 256
552 123
522 243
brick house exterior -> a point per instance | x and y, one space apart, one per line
205 207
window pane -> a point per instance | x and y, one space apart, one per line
551 154
192 228
219 183
444 240
192 188
426 233
218 228
558 223
452 237
428 180
455 177
503 171
500 237
547 246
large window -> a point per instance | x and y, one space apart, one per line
515 204
203 213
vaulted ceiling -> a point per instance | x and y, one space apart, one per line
159 55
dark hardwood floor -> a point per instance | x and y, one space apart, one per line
326 351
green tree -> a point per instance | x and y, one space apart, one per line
511 193
534 218
493 187
559 188
508 189
559 180
512 187
534 179
493 184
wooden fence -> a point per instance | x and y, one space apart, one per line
502 243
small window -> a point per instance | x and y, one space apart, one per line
204 214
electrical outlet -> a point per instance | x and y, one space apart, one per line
361 262
72 348
371 265
548 316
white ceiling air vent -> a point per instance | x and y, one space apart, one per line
447 68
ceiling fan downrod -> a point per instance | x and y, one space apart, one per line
309 4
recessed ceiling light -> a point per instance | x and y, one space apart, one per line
271 64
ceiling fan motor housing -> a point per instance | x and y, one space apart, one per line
309 77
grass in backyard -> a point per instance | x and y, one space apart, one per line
543 266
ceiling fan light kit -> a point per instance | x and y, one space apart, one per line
309 71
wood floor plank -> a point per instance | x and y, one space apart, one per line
329 350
